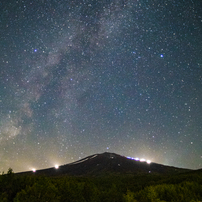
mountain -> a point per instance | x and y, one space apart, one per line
107 163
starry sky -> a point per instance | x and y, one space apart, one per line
89 76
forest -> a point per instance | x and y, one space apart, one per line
186 187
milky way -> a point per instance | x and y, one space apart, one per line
85 77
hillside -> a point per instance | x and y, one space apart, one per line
107 163
103 177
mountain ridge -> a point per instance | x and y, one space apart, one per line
107 163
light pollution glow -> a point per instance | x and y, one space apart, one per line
138 159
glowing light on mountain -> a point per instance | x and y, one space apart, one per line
138 159
56 166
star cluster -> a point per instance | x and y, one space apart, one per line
83 77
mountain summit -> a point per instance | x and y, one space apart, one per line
108 163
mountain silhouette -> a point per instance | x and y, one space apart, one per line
107 163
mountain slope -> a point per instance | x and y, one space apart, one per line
99 164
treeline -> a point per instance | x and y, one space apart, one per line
111 188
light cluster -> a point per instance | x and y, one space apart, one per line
139 159
56 167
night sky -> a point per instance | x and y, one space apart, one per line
85 77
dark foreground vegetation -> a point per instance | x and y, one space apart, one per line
186 187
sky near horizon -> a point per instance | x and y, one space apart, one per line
85 77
